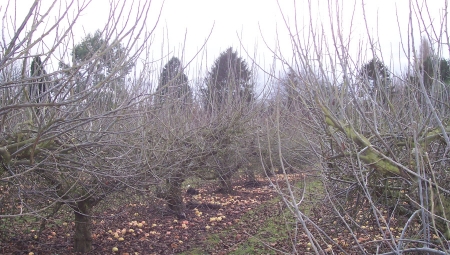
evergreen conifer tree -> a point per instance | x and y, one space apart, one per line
228 82
377 74
38 86
173 86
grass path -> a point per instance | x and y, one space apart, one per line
267 229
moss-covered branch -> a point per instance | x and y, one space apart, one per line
433 135
368 155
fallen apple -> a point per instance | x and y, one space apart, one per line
115 249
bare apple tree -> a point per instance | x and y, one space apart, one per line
378 134
184 140
67 109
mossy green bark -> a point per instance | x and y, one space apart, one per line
441 207
368 154
441 204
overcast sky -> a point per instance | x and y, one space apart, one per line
253 20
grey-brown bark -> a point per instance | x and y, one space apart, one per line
83 235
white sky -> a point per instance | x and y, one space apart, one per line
195 18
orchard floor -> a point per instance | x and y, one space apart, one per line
252 220
147 227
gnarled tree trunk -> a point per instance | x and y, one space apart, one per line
226 185
83 237
172 193
174 197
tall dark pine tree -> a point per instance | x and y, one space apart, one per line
39 85
99 67
98 59
291 88
95 67
435 68
173 86
228 82
377 74
430 68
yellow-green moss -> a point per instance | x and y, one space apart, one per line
372 158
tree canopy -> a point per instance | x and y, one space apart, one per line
98 58
173 84
377 74
228 82
38 72
435 67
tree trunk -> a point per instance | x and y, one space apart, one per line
226 186
251 178
225 182
173 195
83 238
